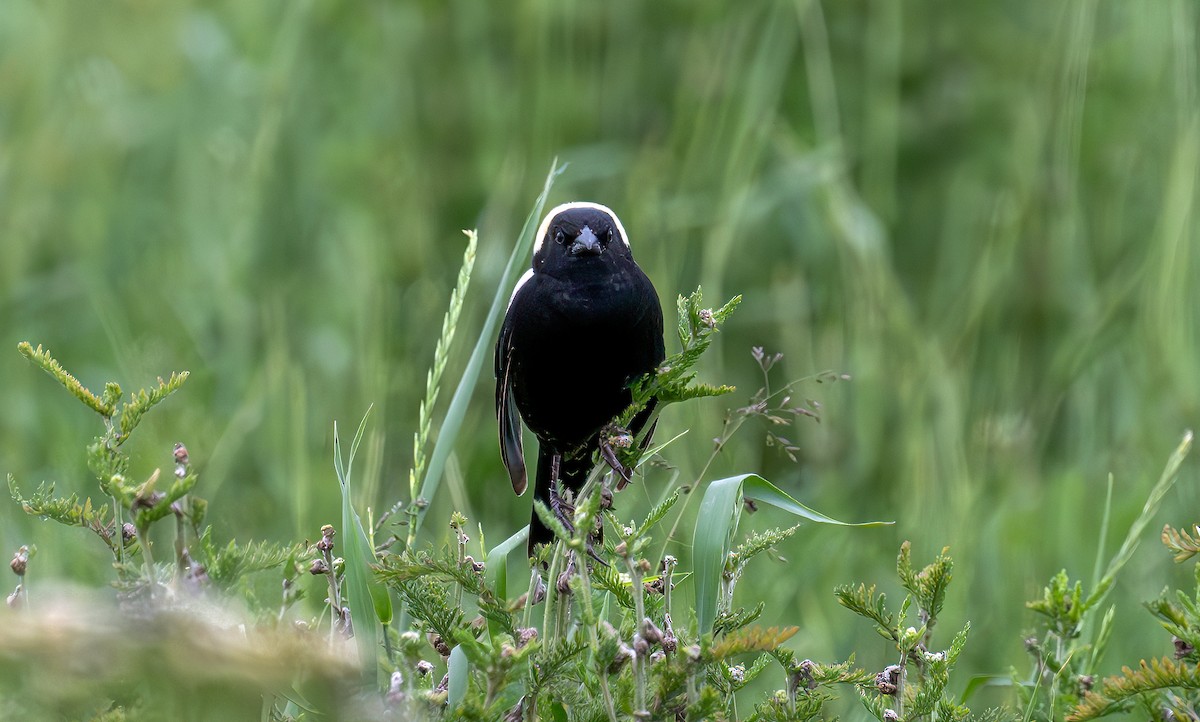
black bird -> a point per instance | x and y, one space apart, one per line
582 324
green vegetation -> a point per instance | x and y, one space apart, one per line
983 213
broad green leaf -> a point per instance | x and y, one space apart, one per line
718 518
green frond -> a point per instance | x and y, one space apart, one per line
759 542
609 579
823 675
929 584
948 711
727 622
682 392
752 639
1062 603
143 401
1148 677
1182 544
552 663
228 564
673 380
64 510
427 601
106 462
995 714
863 601
111 395
407 566
146 516
43 504
956 645
42 358
657 513
757 667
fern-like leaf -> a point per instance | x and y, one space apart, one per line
1150 676
752 639
760 542
863 601
929 584
64 510
608 579
1180 543
43 360
727 622
226 565
143 401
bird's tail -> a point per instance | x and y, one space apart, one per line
572 473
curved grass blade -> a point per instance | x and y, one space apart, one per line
448 433
718 518
458 668
759 489
495 569
719 513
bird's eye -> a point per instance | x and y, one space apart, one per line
609 235
560 237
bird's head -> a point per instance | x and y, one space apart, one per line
576 232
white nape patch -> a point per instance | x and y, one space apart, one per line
545 227
520 282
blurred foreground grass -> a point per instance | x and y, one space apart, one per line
983 212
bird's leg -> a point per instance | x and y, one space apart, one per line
563 510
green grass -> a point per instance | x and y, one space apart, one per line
983 212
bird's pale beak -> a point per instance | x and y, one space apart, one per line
586 244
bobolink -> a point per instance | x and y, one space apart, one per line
582 324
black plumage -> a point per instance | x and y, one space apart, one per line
582 324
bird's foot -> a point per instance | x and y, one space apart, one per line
612 438
563 509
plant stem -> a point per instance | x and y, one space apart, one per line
143 533
527 614
550 614
591 622
639 661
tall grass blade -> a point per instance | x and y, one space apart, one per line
1098 568
448 433
718 518
1165 481
369 601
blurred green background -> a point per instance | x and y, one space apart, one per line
982 211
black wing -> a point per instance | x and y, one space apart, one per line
511 451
